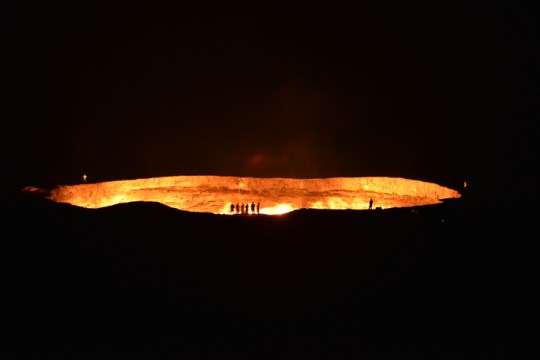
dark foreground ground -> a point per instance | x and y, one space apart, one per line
446 281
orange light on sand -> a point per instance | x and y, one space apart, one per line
215 194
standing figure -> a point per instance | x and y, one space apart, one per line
253 207
258 207
370 204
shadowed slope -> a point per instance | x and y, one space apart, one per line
144 276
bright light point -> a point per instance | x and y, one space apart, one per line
277 210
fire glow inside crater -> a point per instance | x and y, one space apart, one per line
215 194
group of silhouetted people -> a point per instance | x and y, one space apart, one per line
245 209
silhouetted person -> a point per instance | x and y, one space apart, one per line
237 208
243 209
232 208
370 204
258 207
253 207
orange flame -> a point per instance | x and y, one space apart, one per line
214 194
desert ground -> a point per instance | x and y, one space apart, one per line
437 281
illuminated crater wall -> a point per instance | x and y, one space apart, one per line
214 194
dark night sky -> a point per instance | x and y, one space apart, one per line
440 92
